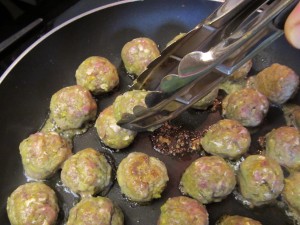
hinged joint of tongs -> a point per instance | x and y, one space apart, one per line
186 71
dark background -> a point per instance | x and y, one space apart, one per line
17 14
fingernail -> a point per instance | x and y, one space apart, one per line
295 36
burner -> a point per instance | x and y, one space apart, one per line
24 21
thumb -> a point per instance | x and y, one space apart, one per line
292 27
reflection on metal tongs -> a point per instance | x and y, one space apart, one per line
190 68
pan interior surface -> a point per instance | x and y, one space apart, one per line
25 96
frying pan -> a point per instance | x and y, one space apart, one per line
50 65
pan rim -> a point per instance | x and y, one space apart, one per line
55 29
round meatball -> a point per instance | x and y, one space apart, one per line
283 145
86 173
126 102
141 177
32 203
292 115
94 211
231 86
207 100
291 193
277 82
247 106
97 74
260 179
72 107
138 54
238 220
242 72
110 133
208 179
227 138
43 154
183 211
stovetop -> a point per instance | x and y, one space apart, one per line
37 17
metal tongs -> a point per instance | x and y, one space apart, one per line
190 68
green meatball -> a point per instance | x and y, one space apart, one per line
231 86
43 154
86 173
208 179
97 74
32 203
141 177
227 138
72 107
291 193
237 80
207 100
110 133
126 102
277 82
247 106
183 211
260 179
95 211
283 145
238 220
138 54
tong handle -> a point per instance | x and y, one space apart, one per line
198 38
244 40
247 39
228 10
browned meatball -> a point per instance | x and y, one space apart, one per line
110 133
32 203
86 173
43 154
277 82
260 179
237 220
97 74
247 106
208 179
141 177
72 107
183 211
138 53
226 138
283 145
95 211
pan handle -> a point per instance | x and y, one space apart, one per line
15 37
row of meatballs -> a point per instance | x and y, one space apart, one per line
143 178
73 108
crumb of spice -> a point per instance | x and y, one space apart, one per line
216 105
175 140
262 141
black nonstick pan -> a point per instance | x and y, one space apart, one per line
50 65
